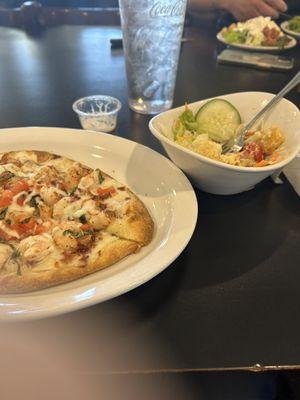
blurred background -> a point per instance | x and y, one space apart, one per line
63 3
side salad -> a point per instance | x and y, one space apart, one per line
294 24
259 31
218 121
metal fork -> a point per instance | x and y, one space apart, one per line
285 15
235 144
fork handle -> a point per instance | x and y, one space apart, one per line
294 82
285 15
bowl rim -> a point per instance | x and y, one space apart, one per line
162 138
96 97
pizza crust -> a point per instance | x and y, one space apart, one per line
110 254
136 225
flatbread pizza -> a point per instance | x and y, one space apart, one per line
61 220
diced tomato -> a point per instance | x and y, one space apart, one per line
262 163
104 192
24 228
40 229
271 35
85 227
6 198
20 200
254 150
19 186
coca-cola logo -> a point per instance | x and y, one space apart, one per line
162 9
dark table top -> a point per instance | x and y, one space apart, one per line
231 299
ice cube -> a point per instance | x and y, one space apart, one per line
151 89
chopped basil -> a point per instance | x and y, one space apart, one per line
100 176
33 201
83 219
26 220
19 273
3 241
14 256
73 190
3 213
80 234
6 175
102 206
281 42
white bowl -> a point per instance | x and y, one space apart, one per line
284 26
219 178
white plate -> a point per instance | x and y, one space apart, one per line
290 45
159 184
284 27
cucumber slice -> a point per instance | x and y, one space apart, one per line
219 119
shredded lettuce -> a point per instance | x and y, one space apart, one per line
188 120
232 36
294 24
178 129
185 122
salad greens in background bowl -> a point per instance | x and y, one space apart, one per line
192 136
292 26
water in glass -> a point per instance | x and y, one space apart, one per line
152 31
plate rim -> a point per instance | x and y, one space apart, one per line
292 44
54 310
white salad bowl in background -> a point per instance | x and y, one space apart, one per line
250 47
219 178
285 27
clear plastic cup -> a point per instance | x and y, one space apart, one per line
152 31
98 113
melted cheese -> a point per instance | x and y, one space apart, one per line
5 253
108 182
39 251
89 181
61 164
70 209
11 168
88 207
30 167
58 191
67 209
14 207
48 262
118 202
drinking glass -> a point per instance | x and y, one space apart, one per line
152 31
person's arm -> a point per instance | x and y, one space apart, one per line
242 9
